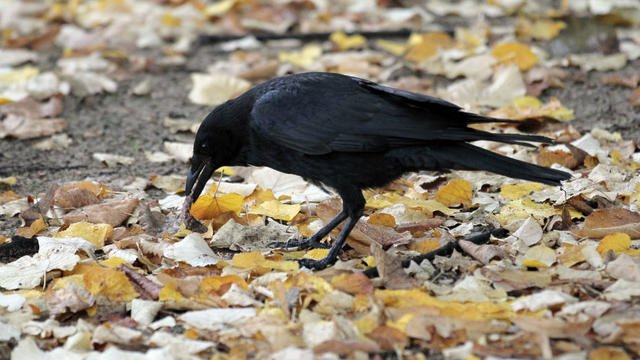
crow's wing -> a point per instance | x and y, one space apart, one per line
346 114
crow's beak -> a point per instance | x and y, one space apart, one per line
198 176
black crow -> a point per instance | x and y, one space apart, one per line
348 134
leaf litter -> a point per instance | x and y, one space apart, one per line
101 269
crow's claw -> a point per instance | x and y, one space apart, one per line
314 264
302 244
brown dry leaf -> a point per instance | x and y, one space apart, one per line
353 283
73 197
389 338
550 157
112 212
603 222
482 253
29 128
634 98
626 81
390 269
512 52
455 192
516 279
570 255
553 328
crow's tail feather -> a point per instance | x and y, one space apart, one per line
465 156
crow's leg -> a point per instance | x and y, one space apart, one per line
353 206
313 242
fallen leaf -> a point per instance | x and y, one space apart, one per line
214 89
619 243
529 107
608 353
455 192
193 250
423 47
112 160
537 257
207 207
109 283
254 260
277 210
347 42
540 29
303 58
603 222
517 191
94 233
511 52
353 283
113 212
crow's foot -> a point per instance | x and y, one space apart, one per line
302 244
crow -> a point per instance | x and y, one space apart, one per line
348 134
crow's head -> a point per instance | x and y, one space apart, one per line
215 146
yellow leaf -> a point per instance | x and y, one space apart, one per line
303 58
110 283
382 219
191 334
540 29
516 191
425 246
94 233
277 210
415 298
426 46
394 47
18 75
114 262
35 228
207 207
11 180
369 260
4 100
182 231
219 8
455 192
635 197
253 260
213 283
382 201
512 52
523 208
169 293
619 243
169 20
226 170
346 42
538 257
316 254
